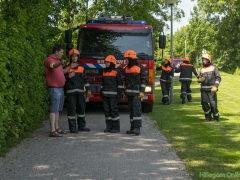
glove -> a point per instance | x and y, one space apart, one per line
214 89
170 78
89 93
86 99
200 80
141 94
125 96
87 96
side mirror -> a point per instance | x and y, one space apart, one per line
162 41
68 47
68 40
68 36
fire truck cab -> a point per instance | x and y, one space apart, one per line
114 35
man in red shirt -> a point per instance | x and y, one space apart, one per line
55 81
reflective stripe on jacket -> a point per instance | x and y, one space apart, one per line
135 79
112 83
76 83
212 77
167 71
186 71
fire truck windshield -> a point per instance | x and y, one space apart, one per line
103 42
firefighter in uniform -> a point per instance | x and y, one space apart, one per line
166 79
135 83
186 69
76 81
110 92
210 79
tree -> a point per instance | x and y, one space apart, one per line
225 15
27 35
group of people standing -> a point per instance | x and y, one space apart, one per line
72 77
209 77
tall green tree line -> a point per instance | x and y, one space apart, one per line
214 26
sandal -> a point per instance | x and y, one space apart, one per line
59 131
54 134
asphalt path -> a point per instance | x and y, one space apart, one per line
94 155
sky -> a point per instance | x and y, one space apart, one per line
187 6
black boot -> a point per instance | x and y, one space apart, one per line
136 131
82 124
208 117
108 126
165 101
115 127
189 98
216 118
131 129
72 125
183 95
83 129
118 125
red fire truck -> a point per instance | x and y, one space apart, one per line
114 35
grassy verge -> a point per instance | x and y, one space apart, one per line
211 147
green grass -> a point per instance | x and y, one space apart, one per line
204 147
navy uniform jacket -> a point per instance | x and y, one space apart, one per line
212 77
135 80
111 83
186 71
167 73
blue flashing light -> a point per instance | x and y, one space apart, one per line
91 79
141 22
96 22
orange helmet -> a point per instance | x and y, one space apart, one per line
73 51
186 58
168 59
207 56
130 54
110 58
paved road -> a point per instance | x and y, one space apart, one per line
94 155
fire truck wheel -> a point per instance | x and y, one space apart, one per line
147 107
